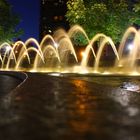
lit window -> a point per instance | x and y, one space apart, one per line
55 17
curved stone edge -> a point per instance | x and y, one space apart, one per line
20 75
7 100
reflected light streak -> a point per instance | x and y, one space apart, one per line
124 98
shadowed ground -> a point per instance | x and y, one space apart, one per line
66 108
7 83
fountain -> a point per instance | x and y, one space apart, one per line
83 106
58 54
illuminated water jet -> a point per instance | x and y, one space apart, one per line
57 53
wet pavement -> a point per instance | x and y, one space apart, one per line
8 83
46 107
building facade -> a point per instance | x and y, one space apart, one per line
52 16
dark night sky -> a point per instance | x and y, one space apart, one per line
28 10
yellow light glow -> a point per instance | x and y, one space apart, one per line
83 54
106 73
135 73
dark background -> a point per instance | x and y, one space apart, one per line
29 13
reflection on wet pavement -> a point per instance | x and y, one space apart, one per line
47 107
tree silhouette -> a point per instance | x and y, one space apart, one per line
8 22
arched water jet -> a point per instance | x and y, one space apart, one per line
59 34
4 58
86 56
125 36
12 55
3 45
27 53
132 56
47 48
21 51
23 48
47 37
8 49
104 42
68 44
89 47
32 40
76 28
54 50
62 40
134 53
1 59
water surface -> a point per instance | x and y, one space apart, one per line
66 108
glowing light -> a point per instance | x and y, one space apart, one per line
54 74
134 73
131 86
132 111
120 65
95 71
32 70
130 46
85 71
106 73
49 31
83 54
8 48
56 45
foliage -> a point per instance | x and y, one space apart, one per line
136 8
8 22
111 17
